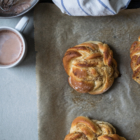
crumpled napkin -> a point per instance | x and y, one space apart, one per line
91 7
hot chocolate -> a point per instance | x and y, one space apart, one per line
11 47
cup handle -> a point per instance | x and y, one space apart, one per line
22 24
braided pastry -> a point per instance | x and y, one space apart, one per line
135 60
91 67
83 128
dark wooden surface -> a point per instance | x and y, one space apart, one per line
133 4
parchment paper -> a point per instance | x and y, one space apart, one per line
58 103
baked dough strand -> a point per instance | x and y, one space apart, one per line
135 60
83 128
91 67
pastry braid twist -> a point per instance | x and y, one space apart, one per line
91 67
135 60
83 128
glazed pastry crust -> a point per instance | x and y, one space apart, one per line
135 60
91 67
83 128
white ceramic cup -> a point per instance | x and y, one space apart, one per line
17 30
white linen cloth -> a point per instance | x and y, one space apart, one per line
91 7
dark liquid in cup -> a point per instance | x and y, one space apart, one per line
11 47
